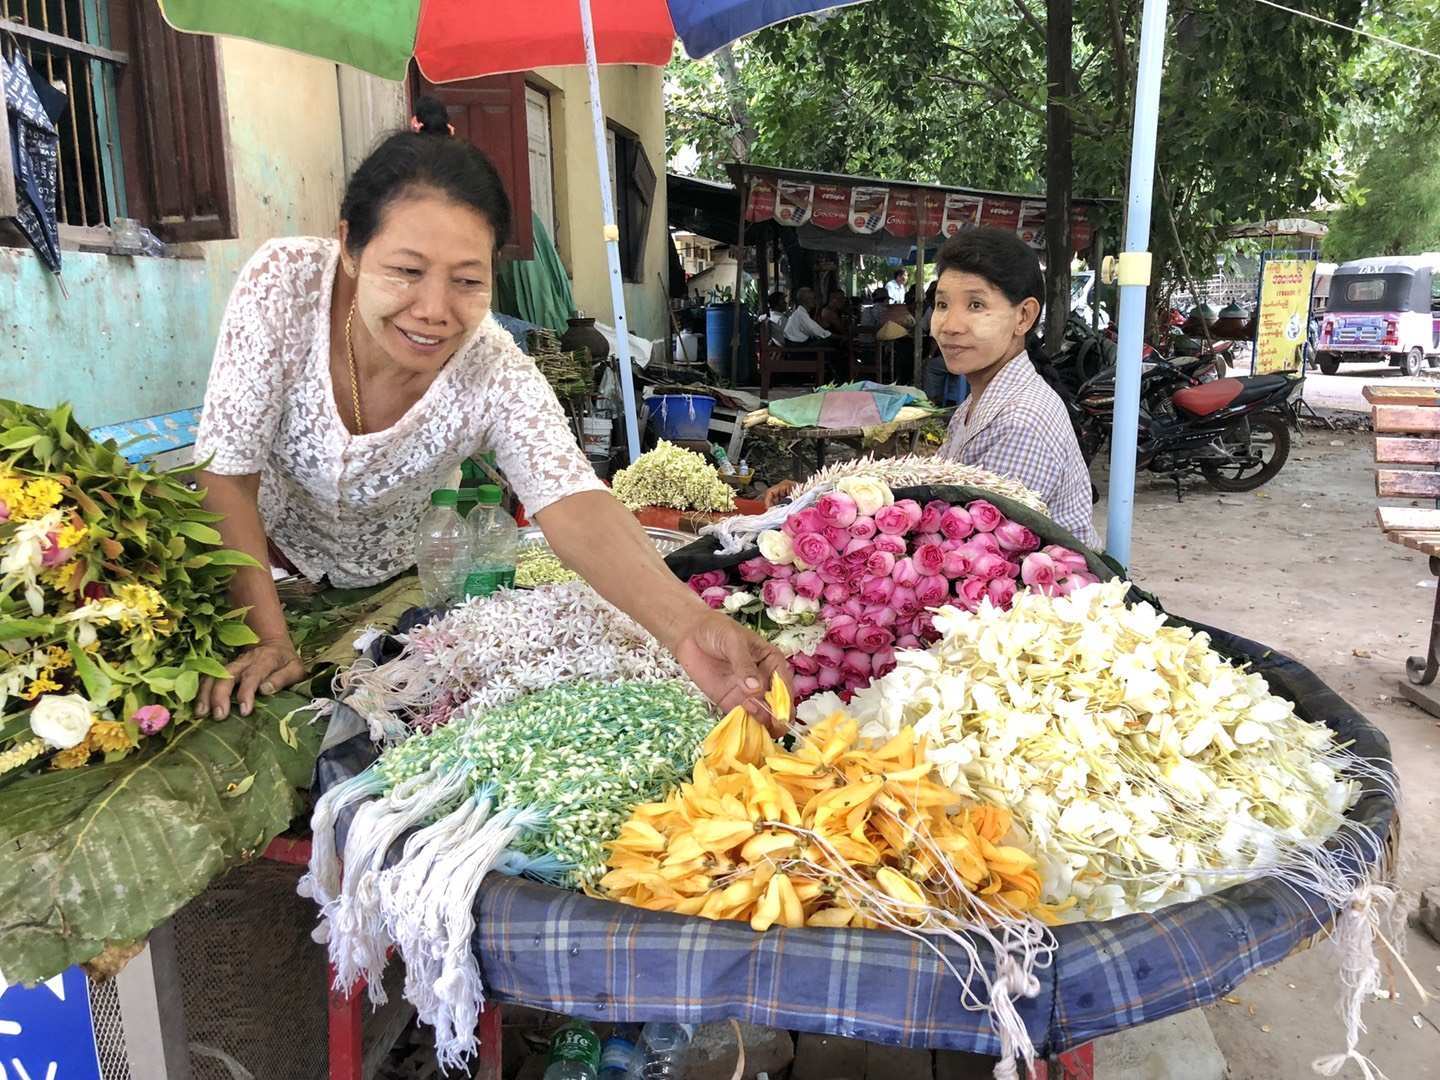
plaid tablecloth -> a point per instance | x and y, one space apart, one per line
557 950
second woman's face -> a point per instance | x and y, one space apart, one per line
976 325
424 280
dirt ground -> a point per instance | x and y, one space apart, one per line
1301 566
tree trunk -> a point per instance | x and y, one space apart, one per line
1059 165
746 135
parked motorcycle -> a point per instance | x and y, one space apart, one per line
1234 432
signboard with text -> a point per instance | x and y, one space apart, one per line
46 1032
1284 317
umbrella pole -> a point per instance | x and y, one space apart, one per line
1134 278
612 237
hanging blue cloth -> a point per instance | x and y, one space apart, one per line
35 108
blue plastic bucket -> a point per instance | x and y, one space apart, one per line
719 323
681 416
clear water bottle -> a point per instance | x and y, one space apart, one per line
618 1054
574 1053
442 550
494 540
662 1051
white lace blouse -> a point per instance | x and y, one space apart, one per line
345 506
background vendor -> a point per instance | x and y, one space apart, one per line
352 377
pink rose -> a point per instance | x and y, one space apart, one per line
957 564
895 545
905 573
984 516
832 570
1075 582
806 521
4 510
1071 560
930 520
53 555
828 654
985 542
923 627
990 567
904 602
804 663
838 538
877 590
776 593
830 678
805 685
784 573
854 607
955 523
879 615
841 630
908 641
892 520
870 637
857 665
837 509
813 549
837 593
1039 569
883 662
808 585
715 596
701 582
929 560
1001 591
932 591
829 611
150 719
880 564
1016 538
754 571
856 544
864 528
969 592
928 538
912 512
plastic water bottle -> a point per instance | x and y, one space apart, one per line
442 549
574 1053
618 1054
662 1051
493 543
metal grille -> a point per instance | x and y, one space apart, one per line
67 43
109 1030
253 983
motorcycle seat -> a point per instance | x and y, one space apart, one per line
1260 386
1208 397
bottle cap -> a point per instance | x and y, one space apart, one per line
488 495
444 497
468 494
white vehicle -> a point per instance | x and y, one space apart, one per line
1385 309
1082 298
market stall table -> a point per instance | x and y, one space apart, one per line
897 434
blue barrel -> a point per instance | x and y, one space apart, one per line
719 322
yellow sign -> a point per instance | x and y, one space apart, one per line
1284 315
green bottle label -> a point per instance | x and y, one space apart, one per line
486 581
576 1042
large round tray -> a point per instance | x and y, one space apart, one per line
665 540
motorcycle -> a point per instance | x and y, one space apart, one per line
1083 354
1235 432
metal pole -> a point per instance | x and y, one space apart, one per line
918 337
734 343
612 237
1134 279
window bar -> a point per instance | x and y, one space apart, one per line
72 92
102 91
62 211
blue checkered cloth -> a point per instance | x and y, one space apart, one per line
556 950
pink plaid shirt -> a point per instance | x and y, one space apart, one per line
1019 429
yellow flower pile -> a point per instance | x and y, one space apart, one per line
28 499
830 833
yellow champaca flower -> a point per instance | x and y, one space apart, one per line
36 498
21 754
73 758
109 736
72 536
143 608
42 684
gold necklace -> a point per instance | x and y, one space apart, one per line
354 375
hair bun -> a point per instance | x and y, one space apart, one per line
430 117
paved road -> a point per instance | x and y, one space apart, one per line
1343 391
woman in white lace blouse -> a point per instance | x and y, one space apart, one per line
351 377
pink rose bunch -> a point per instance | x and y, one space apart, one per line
867 582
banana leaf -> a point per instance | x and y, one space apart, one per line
101 855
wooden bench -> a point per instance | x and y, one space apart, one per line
1407 433
166 440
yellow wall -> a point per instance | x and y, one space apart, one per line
631 96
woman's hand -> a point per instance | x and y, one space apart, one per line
732 665
265 668
777 493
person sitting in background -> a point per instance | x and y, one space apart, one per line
801 327
895 287
835 316
776 315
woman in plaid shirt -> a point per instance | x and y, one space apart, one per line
987 300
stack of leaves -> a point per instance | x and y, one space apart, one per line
112 595
829 833
534 787
1142 766
568 373
672 476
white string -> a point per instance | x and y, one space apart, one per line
1352 29
1361 921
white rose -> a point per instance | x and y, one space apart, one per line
739 601
869 493
781 616
62 720
776 547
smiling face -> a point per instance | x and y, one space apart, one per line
976 325
424 279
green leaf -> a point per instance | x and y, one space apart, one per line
202 534
207 665
25 628
236 634
240 787
229 557
98 687
91 857
187 685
